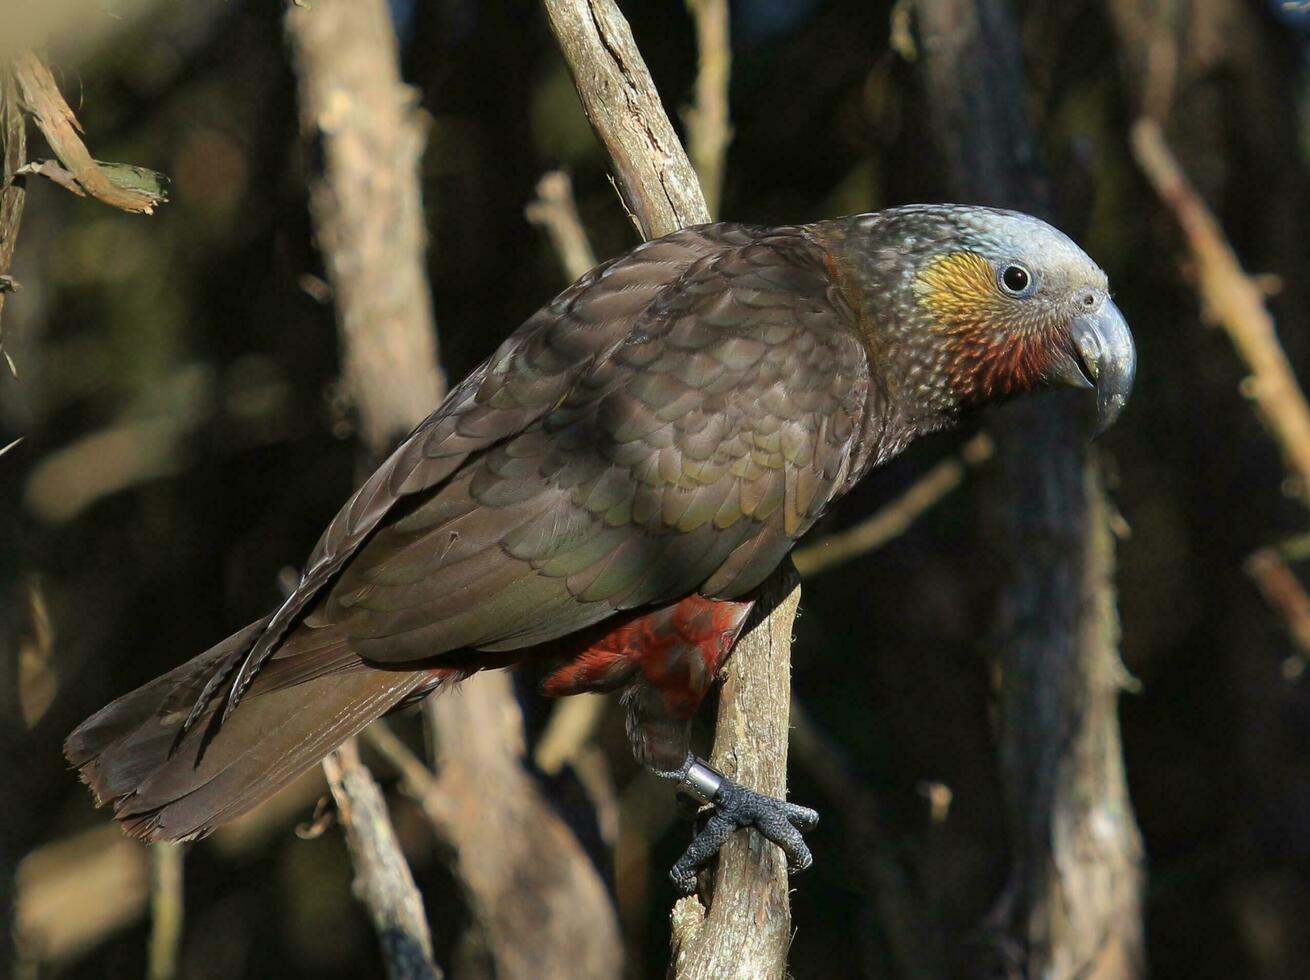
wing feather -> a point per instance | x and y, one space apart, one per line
672 423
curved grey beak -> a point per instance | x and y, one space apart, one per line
1105 359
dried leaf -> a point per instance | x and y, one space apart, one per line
129 188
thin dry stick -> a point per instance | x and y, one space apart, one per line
1235 300
555 210
655 178
1283 592
894 519
709 130
382 878
129 188
166 910
660 187
13 136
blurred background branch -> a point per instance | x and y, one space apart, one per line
709 127
1071 905
179 429
364 144
167 909
1234 300
513 854
555 211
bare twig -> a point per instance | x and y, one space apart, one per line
747 928
750 908
709 129
619 97
129 188
894 519
1235 300
555 210
382 878
166 910
13 143
1283 591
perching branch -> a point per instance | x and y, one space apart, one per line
747 928
383 881
1235 300
656 179
750 905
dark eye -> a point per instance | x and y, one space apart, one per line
1016 279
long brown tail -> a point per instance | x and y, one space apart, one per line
166 785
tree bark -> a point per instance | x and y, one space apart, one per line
654 175
1072 906
365 141
750 879
750 904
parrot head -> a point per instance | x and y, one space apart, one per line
989 304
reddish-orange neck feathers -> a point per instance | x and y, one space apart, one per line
995 345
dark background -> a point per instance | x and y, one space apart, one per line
183 446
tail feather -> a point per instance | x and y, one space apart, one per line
169 782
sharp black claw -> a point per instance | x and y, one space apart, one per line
735 806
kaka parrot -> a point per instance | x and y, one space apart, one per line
607 492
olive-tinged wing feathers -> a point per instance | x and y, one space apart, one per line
533 369
690 458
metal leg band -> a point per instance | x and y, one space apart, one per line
702 781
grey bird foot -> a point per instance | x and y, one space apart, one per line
736 806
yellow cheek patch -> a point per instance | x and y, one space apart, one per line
960 288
